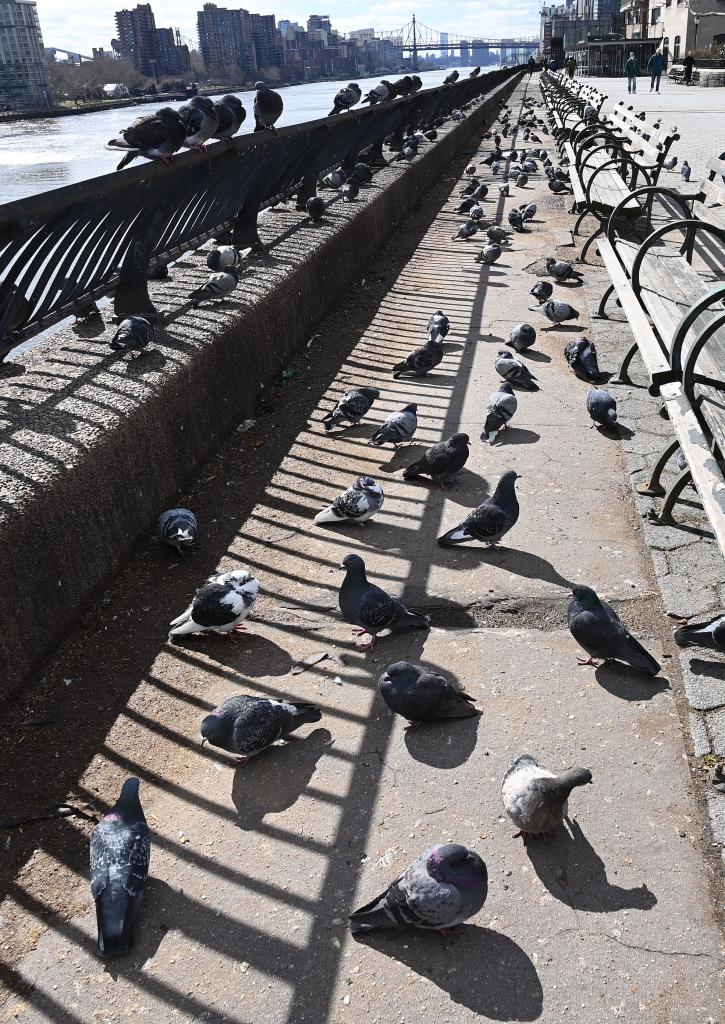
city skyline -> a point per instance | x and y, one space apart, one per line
75 25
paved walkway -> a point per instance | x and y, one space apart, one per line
255 870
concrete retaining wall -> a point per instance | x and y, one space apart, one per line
93 447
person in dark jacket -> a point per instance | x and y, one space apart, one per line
655 67
570 67
688 64
631 69
532 65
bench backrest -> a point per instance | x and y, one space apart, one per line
651 141
710 204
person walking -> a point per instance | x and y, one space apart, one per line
655 67
532 64
689 64
631 69
570 67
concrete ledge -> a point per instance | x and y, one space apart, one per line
93 447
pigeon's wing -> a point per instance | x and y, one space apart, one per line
627 647
378 610
488 520
216 605
192 118
258 724
430 904
145 132
351 504
121 852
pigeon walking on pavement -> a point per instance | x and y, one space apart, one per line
581 355
217 287
442 461
154 136
369 608
556 312
522 337
246 725
438 326
502 405
597 628
535 799
466 231
421 360
398 428
560 270
709 634
120 851
489 254
602 407
492 520
685 170
220 606
542 290
514 371
351 408
132 335
177 528
268 107
358 503
420 695
443 888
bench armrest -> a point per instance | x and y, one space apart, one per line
689 226
617 162
650 190
678 338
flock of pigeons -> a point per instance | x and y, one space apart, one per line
447 884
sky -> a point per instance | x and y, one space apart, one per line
78 25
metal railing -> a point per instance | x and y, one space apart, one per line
61 250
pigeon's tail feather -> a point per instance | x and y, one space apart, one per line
373 915
639 658
115 915
697 634
415 470
399 367
411 621
131 155
327 516
460 705
457 535
183 626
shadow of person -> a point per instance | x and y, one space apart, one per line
622 681
275 779
574 873
251 654
521 563
492 975
445 744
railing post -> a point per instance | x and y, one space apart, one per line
131 297
244 232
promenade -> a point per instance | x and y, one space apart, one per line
255 869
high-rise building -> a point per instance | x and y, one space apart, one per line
319 23
23 77
225 39
152 51
267 48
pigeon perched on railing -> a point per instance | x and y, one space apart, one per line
346 98
268 107
522 337
419 695
245 725
217 287
398 428
222 257
492 520
315 208
581 355
154 136
378 94
361 174
597 628
230 116
132 335
502 405
200 121
358 503
475 72
177 528
514 371
450 79
535 799
220 606
351 408
602 407
368 607
335 179
489 254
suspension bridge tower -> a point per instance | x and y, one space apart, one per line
414 53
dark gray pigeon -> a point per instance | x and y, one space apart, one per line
346 98
556 311
132 335
120 853
522 337
556 185
489 254
516 220
230 117
217 287
465 205
398 428
268 107
362 499
419 695
709 634
154 136
471 187
490 521
442 461
177 528
476 213
421 360
597 628
480 192
438 326
542 290
362 174
350 191
466 230
220 606
560 270
315 208
221 257
450 79
528 211
246 725
445 887
200 120
368 607
522 179
581 355
497 234
351 408
502 405
535 799
602 407
514 371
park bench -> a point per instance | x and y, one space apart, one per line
672 293
566 99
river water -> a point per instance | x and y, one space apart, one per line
39 155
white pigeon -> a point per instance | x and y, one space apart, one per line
362 499
535 799
220 606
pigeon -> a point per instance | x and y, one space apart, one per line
442 461
581 355
602 407
377 95
681 461
407 153
556 311
268 106
670 164
502 405
335 179
431 135
497 234
514 371
398 428
504 189
516 220
495 168
217 287
200 121
530 167
475 72
349 191
230 116
466 230
596 627
522 179
489 254
535 799
245 725
685 170
480 192
490 521
710 634
315 208
368 607
419 695
522 337
132 335
120 851
221 605
154 136
528 211
560 270
346 98
351 408
589 113
471 187
542 290
444 887
222 257
362 499
177 528
362 174
471 169
438 326
475 213
556 186
450 79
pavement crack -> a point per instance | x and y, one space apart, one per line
642 948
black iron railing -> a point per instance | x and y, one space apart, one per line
61 250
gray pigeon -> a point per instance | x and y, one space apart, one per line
602 407
398 428
522 179
315 208
268 107
200 120
378 94
217 287
421 360
362 499
346 98
528 212
522 337
480 192
154 136
466 230
489 254
556 311
670 164
120 852
246 725
442 461
230 117
220 606
177 528
516 220
445 887
560 270
542 290
581 355
335 179
710 634
497 234
221 257
419 695
351 408
438 326
597 628
502 405
132 335
685 170
556 186
476 213
514 371
350 191
535 799
368 607
450 79
490 521
504 189
471 187
465 205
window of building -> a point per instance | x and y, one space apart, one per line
655 16
676 48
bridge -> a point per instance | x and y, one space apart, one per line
414 38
